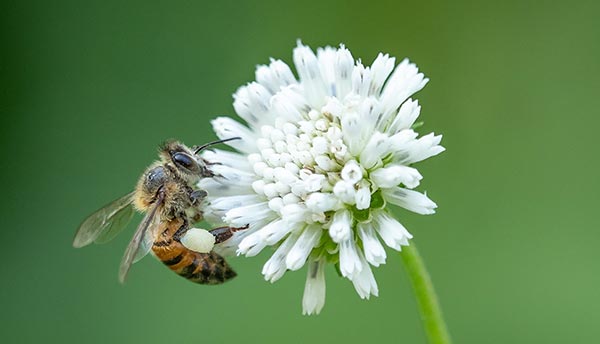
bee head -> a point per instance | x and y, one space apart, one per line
187 162
183 160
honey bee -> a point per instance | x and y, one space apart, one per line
167 193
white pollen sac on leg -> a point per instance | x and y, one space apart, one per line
198 240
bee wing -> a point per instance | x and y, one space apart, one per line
148 239
131 253
106 223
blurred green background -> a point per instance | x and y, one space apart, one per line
88 90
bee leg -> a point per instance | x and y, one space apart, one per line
223 233
180 232
209 163
206 171
197 217
197 196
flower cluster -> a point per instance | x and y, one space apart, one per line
317 163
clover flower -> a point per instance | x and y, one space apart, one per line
319 160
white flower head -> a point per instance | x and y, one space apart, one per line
319 158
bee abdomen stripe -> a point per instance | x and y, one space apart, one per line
174 260
205 268
188 271
163 243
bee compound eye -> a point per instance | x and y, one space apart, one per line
183 160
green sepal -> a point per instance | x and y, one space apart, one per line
377 201
362 215
337 269
417 125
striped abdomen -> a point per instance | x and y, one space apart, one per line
203 268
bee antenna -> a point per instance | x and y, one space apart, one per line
206 145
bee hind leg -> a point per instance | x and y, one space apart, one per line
221 234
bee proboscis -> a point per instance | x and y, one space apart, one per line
168 194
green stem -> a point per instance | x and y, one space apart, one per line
431 313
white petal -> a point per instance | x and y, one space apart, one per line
275 76
214 187
340 229
327 58
333 106
303 246
226 127
289 103
314 182
344 65
361 80
252 103
368 112
406 117
393 175
358 121
275 267
251 245
248 214
267 235
350 263
309 71
351 172
319 146
230 246
409 199
276 231
352 132
227 158
404 82
326 163
420 149
294 213
381 69
374 251
401 139
232 175
230 202
276 204
374 150
285 175
314 289
391 231
363 198
239 184
322 202
364 281
345 192
213 217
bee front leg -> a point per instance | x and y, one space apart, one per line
195 211
221 234
197 196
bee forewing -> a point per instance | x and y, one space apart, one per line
147 240
105 223
116 224
133 249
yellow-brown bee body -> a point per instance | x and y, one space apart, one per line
167 193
